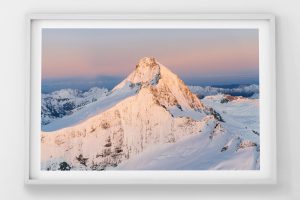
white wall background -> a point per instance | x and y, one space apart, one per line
12 71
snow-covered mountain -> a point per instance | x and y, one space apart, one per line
240 90
149 111
67 101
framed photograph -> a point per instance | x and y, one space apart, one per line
151 99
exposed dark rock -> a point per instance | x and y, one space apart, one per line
224 148
255 132
216 115
82 160
64 166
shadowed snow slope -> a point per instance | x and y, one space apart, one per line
151 109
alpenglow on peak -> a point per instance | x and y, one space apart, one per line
165 86
147 62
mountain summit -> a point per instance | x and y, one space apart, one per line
167 88
146 71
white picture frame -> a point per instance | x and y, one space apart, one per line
267 173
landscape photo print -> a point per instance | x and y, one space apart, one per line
150 99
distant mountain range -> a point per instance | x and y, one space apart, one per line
67 101
151 120
50 85
251 91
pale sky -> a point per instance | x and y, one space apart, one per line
229 55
